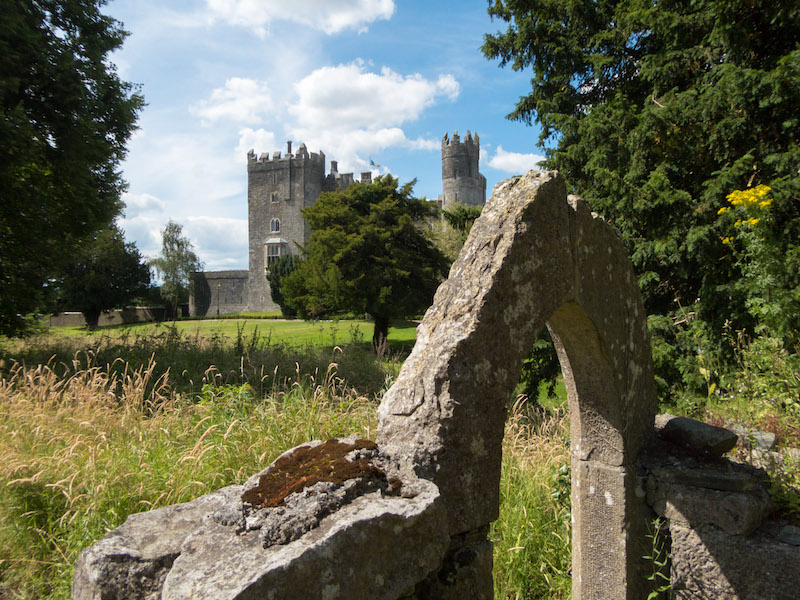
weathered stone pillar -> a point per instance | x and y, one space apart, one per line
534 257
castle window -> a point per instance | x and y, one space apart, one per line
275 226
274 178
273 253
274 197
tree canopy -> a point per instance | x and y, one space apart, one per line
366 255
106 273
656 111
175 266
65 117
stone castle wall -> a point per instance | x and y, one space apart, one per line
277 190
280 187
219 293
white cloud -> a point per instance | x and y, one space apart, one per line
146 230
258 140
349 97
514 162
326 15
221 242
138 204
241 99
352 113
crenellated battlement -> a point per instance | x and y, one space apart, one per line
470 140
302 156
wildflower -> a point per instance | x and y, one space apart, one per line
752 221
723 209
726 240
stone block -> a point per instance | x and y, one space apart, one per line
735 512
697 435
708 563
353 539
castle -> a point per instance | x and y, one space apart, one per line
277 191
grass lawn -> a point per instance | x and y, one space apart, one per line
290 333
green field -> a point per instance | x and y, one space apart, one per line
288 332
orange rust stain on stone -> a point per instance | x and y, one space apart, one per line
309 465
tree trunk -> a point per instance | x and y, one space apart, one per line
380 342
92 317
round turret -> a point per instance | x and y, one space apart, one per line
462 182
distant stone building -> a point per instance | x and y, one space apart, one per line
279 188
462 183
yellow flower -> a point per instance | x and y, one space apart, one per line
726 240
738 222
765 203
723 209
753 221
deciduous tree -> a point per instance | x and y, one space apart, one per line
65 117
175 266
366 255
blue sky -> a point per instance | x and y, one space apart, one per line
357 79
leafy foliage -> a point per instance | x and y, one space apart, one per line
277 271
461 217
659 110
175 266
107 273
450 232
65 117
366 255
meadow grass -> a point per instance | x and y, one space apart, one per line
402 334
87 441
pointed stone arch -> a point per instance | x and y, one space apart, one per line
535 258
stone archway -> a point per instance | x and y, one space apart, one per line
534 258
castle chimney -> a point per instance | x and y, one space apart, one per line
334 167
289 147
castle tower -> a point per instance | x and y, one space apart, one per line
462 183
277 190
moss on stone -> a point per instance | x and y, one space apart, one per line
307 466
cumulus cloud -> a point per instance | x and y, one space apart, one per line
514 162
351 97
324 15
352 112
139 204
258 140
241 99
221 242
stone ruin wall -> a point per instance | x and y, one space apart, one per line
407 517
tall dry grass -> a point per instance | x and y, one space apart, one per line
79 453
90 437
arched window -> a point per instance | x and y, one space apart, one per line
274 197
275 226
